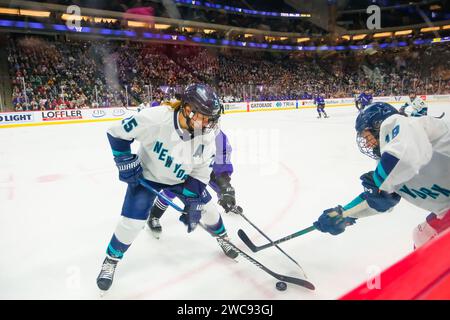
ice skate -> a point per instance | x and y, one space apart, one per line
154 226
106 276
227 249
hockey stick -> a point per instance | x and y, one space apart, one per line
297 281
255 248
238 210
441 116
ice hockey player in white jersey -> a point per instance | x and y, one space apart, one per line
177 147
413 157
418 106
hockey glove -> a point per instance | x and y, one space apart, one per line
402 110
377 199
333 222
225 192
193 213
227 198
130 170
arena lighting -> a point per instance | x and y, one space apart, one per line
36 25
96 19
382 34
66 17
208 31
106 31
303 39
446 27
100 19
9 11
429 29
346 37
130 34
440 40
419 41
179 38
162 26
403 32
34 13
138 24
359 36
60 27
243 10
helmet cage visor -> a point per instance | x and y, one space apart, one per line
370 151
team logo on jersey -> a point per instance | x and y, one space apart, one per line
199 151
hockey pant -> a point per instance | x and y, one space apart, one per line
135 211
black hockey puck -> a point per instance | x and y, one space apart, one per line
281 285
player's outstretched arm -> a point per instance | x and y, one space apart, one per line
372 201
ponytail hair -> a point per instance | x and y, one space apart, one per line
173 104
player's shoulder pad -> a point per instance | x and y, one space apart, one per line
155 114
390 123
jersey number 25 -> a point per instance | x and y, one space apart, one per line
129 124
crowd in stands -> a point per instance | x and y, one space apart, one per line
51 74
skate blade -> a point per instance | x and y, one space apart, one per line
155 235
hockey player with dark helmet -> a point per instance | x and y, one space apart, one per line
368 125
200 107
413 163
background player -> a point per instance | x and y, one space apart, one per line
355 96
419 107
219 182
176 153
319 101
413 163
364 99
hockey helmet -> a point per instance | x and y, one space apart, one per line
370 118
202 99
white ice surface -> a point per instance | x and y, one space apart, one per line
60 200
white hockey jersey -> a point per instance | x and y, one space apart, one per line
419 107
422 147
168 153
415 164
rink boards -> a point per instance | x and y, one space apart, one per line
66 116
